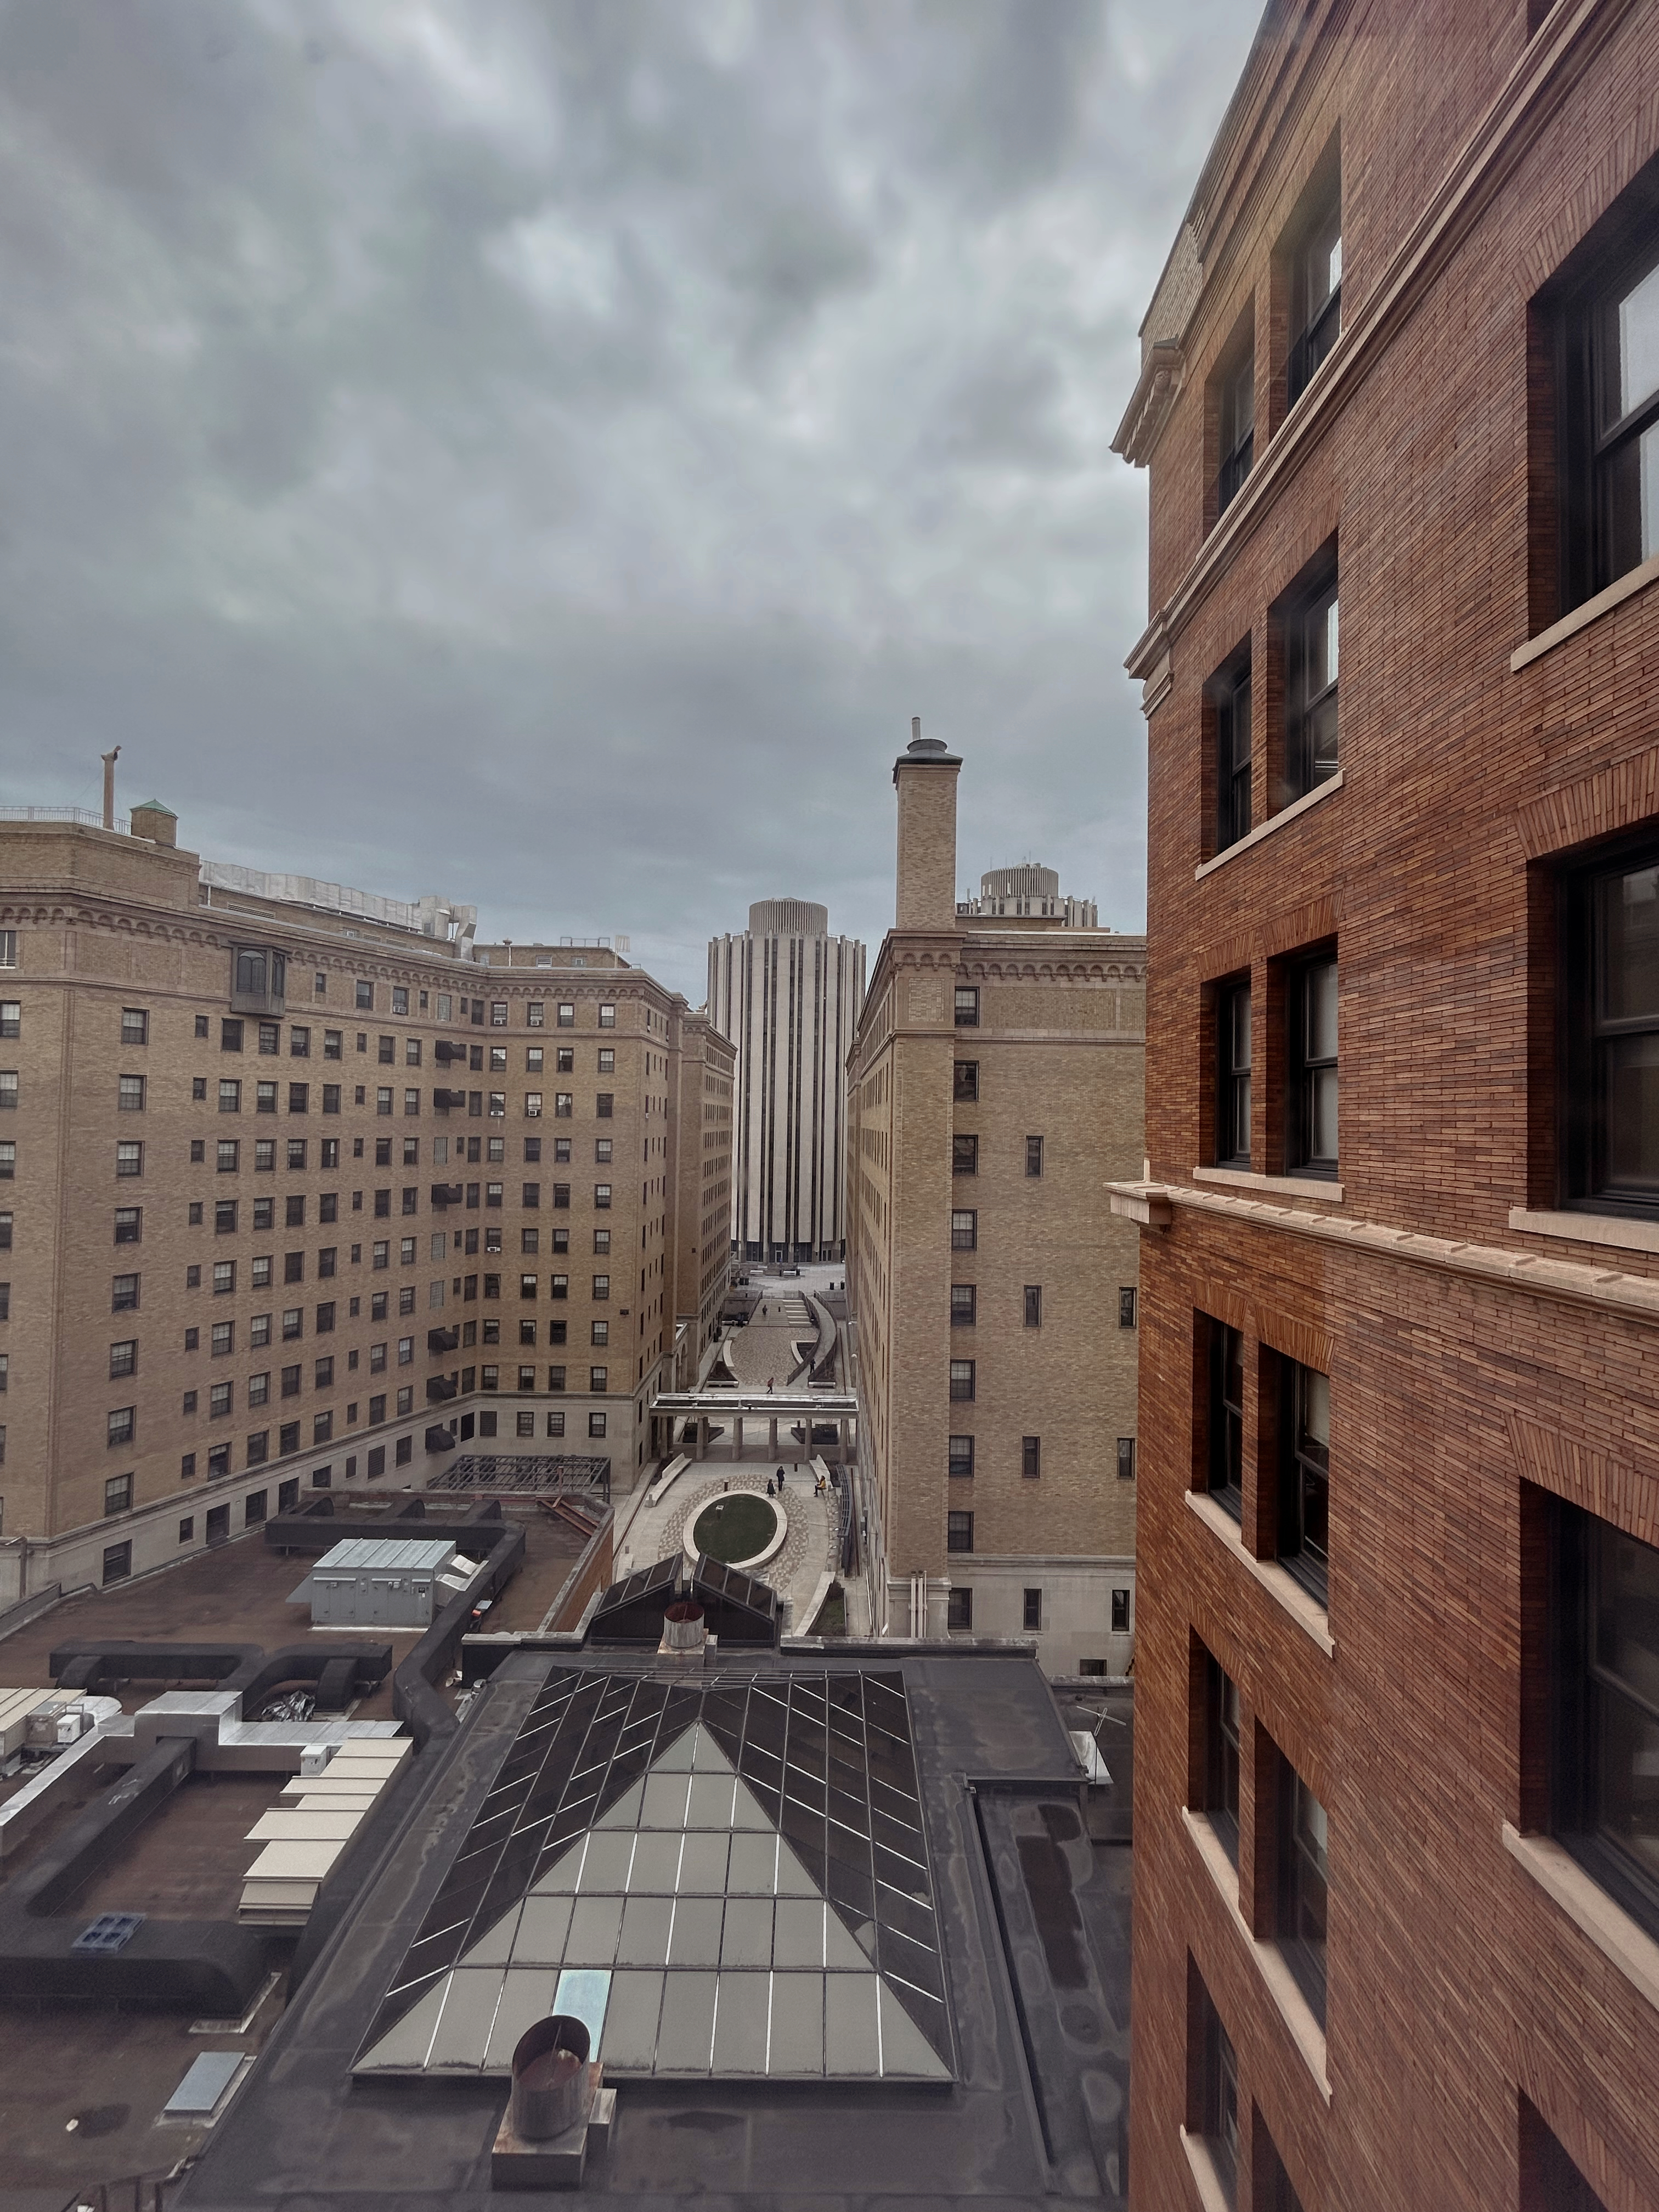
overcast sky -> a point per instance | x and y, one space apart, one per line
544 451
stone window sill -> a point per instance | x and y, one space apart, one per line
1633 582
1587 1904
1293 2008
1310 1616
1612 1229
1286 814
1200 2162
1314 1186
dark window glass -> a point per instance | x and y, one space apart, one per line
964 1232
1033 1610
1030 1458
964 1156
1125 1307
1119 1613
1305 1478
966 1085
959 1611
967 1007
961 1456
1232 695
1221 1753
1217 2113
959 1532
1311 1012
1609 370
963 1305
1126 1459
1315 297
1226 1470
118 1562
1606 1761
1233 1036
1310 620
962 1379
1274 2191
1303 1884
1235 409
1610 1060
1034 1156
1034 1305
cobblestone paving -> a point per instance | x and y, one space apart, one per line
807 1551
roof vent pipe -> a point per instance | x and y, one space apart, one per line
109 760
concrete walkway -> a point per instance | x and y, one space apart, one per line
659 1532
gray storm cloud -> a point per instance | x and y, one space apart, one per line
546 453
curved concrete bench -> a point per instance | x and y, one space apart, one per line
670 1475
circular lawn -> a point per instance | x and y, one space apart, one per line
735 1528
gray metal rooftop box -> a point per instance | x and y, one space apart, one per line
375 1582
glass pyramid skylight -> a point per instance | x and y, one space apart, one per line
725 1880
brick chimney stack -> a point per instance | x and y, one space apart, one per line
925 776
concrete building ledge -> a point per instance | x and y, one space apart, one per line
1310 1616
1286 815
1200 2164
1626 587
1587 1227
1588 1906
1145 1202
1293 2008
1314 1186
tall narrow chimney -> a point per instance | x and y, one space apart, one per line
109 759
925 776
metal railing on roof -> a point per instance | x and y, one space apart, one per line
89 815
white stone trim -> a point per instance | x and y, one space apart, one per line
1310 1616
1624 587
1200 2163
1297 808
1293 2008
1630 1235
1588 1906
1314 1186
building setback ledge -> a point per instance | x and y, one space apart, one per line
1200 2162
1148 1203
1310 1616
1627 1234
1293 2008
1588 1906
1626 588
1314 1186
1279 821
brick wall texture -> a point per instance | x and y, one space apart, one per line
1477 148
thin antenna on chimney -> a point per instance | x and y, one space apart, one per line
109 759
915 727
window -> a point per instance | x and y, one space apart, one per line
118 1562
1232 1119
1033 1610
604 1105
1034 1156
124 1294
1234 389
365 998
128 1225
134 1024
117 1494
564 1105
607 1018
1126 1459
1126 1306
258 975
964 1298
959 1606
601 1333
1306 621
1030 1459
5 1231
602 1151
1119 1613
258 1389
1226 1474
1315 282
230 1035
120 1426
1230 698
565 1057
129 1159
1305 1478
7 1159
7 948
299 1044
1221 1753
1215 2079
535 1014
964 1232
959 1532
399 999
1303 1882
967 1007
960 1460
1609 1114
601 1195
567 1017
607 1060
1310 1132
222 1338
230 1096
1607 373
293 1322
962 1379
964 1156
1034 1305
596 1422
333 1047
1605 1700
130 1093
601 1240
271 1038
325 1317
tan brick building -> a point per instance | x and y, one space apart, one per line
295 1178
994 1088
1397 1678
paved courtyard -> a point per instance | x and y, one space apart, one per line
794 1572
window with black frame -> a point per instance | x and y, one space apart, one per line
1311 1094
1216 2118
1610 1009
1232 1118
1235 392
1221 1760
1315 292
1226 1468
1608 370
1304 1479
1310 624
1605 1757
1304 1885
1230 693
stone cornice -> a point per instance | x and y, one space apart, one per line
1546 71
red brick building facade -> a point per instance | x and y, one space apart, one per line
1397 1796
